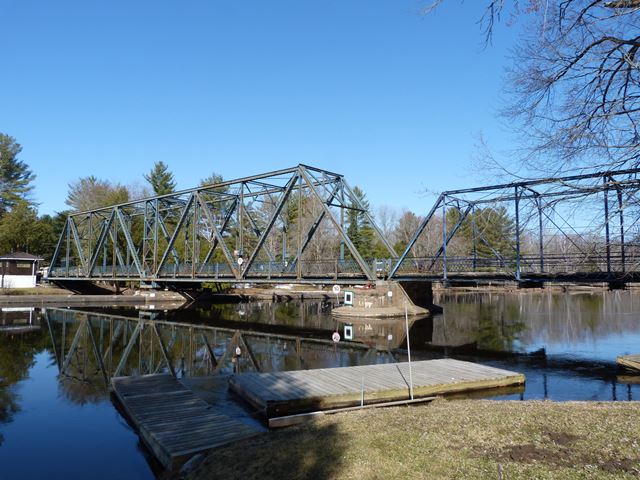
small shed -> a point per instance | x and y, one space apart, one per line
18 270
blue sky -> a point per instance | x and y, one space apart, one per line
375 90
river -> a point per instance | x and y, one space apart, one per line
65 426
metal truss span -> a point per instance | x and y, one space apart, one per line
278 226
574 228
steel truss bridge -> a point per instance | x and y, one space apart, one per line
297 225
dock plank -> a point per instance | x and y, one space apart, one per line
285 393
630 361
171 420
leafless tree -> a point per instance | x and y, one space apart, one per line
575 81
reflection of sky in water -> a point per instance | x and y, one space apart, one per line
66 439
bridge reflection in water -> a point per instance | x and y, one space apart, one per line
94 347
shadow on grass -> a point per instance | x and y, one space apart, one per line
311 450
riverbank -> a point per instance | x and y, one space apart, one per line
462 439
42 296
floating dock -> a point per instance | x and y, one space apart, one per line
630 361
286 393
172 421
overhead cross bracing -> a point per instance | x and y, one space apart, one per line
278 226
575 228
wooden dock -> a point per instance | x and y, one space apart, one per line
171 420
286 393
630 361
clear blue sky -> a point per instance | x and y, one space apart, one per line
372 89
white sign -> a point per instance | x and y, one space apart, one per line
389 294
335 337
240 260
336 289
348 332
348 298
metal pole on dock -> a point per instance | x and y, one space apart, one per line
406 324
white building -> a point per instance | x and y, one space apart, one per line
18 270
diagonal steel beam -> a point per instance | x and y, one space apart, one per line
416 235
218 235
345 238
451 234
76 239
106 227
272 220
176 232
314 226
370 219
214 242
130 245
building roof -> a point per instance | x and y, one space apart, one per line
20 256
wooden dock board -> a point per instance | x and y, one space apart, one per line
171 420
286 393
630 361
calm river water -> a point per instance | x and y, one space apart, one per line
54 426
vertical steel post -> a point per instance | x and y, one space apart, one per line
240 223
194 240
517 195
540 233
156 222
621 216
68 244
475 242
606 225
341 220
299 254
444 237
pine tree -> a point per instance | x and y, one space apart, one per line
15 176
161 179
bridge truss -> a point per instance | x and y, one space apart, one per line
580 227
278 226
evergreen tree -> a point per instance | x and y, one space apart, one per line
493 229
21 230
15 176
359 229
161 179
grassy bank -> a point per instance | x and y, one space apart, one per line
465 439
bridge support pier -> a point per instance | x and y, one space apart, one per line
421 294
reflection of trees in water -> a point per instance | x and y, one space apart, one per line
501 321
17 354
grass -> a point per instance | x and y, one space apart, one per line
464 439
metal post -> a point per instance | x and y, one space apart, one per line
444 237
606 225
406 324
342 221
475 242
621 214
540 234
299 254
517 197
240 225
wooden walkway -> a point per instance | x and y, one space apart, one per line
171 420
630 361
285 393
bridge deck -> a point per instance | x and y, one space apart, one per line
171 420
284 393
630 361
